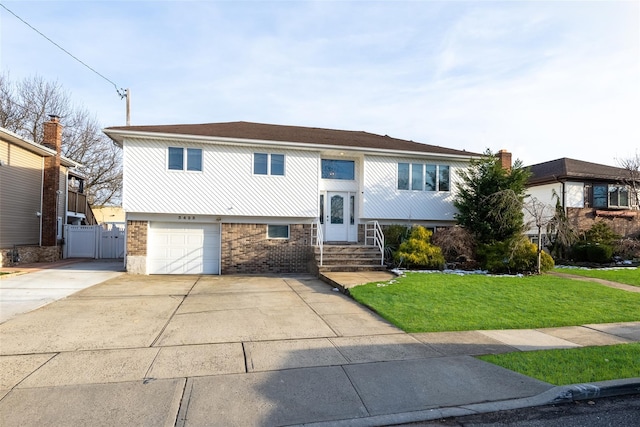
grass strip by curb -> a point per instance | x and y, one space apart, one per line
575 365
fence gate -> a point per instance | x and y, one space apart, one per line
112 240
94 241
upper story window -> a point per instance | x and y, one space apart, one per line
610 196
416 176
338 169
268 164
176 159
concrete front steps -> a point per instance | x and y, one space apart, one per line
349 258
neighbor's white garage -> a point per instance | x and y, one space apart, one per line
183 248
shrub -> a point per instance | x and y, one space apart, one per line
627 248
600 232
518 255
417 252
394 235
455 242
592 252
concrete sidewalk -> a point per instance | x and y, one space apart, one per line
261 351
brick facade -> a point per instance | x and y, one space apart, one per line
137 238
246 250
626 226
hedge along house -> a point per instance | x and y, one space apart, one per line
244 197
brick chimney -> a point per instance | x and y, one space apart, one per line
51 182
505 159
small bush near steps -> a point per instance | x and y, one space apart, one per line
418 252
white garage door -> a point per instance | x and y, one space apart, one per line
179 248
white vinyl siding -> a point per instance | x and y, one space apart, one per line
226 186
21 189
382 200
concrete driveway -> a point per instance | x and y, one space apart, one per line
20 293
230 350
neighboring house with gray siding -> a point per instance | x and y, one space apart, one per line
240 197
33 196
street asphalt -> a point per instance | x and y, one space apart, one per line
250 351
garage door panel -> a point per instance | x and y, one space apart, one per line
176 248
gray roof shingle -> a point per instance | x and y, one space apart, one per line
566 169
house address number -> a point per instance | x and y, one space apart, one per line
186 217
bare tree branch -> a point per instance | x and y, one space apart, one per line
26 105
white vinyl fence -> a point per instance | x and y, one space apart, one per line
94 241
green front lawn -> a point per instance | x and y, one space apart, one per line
629 276
576 365
434 302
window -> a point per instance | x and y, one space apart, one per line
194 159
176 159
268 164
423 177
352 207
618 196
599 196
431 178
176 156
403 176
443 178
338 169
322 209
277 231
416 176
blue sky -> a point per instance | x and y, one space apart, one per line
543 80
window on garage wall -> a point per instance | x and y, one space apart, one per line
277 231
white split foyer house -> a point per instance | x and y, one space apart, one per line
241 197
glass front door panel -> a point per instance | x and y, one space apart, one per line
337 210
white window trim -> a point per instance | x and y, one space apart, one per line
185 160
424 171
284 164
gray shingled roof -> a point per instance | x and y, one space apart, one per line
567 169
295 134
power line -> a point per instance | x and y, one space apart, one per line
121 92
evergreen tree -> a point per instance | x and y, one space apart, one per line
491 198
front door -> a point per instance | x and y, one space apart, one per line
337 217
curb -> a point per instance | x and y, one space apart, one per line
600 389
555 395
